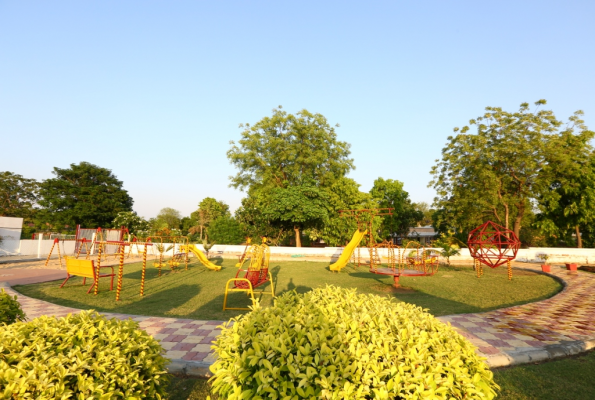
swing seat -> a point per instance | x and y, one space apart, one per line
86 269
252 279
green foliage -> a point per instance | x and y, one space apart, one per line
17 195
10 309
449 245
80 356
332 343
569 205
297 208
226 230
501 170
168 218
207 245
254 223
343 194
136 225
83 194
390 193
289 150
426 211
209 209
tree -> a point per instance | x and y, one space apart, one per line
390 194
343 194
297 208
498 172
17 195
252 221
289 151
136 225
569 204
169 218
426 211
83 194
209 209
226 230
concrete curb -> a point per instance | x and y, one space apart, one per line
546 353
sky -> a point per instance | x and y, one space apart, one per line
155 90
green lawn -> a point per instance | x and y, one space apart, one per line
564 379
198 292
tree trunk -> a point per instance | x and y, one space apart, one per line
579 240
506 208
298 239
517 225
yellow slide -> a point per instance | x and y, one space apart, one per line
346 254
201 257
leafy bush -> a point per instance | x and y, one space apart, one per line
226 230
80 356
333 343
10 309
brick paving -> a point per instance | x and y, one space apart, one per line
183 339
561 325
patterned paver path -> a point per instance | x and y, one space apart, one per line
561 325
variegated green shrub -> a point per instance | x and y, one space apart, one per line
10 309
333 343
82 356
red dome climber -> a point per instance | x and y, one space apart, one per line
492 244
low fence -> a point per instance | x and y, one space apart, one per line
41 248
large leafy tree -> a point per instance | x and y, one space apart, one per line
169 218
17 195
569 204
252 221
83 194
287 151
389 193
499 171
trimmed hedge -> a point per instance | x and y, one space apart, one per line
80 356
333 343
10 309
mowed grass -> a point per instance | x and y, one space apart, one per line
198 292
564 379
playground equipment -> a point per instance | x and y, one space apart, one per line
419 263
201 256
178 255
86 269
88 239
348 251
243 256
256 274
492 245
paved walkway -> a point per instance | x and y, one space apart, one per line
559 326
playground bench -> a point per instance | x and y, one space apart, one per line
86 269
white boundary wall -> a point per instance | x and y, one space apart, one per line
41 248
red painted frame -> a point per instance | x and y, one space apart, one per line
492 244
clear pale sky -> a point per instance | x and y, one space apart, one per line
155 90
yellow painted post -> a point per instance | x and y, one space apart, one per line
96 278
49 255
142 278
120 272
509 270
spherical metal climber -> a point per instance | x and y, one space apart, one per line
493 245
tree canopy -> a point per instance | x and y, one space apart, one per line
17 195
289 150
499 172
389 193
83 194
286 158
209 209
